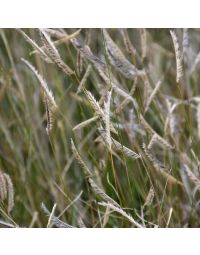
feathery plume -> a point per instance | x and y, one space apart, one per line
149 198
3 187
99 65
118 146
6 190
54 54
97 108
127 42
128 152
94 104
43 84
85 50
79 63
63 39
118 60
49 115
49 101
179 64
191 176
156 163
143 39
10 192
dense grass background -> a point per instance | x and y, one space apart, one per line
43 168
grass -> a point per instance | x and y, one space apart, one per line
99 128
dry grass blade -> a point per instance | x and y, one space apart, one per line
107 118
124 94
84 79
146 125
169 217
57 222
37 48
102 194
122 212
79 160
156 136
71 203
7 224
154 92
81 223
49 224
118 60
66 38
85 123
186 45
179 64
101 139
152 141
198 118
127 99
163 142
160 167
196 62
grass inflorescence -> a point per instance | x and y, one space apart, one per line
99 128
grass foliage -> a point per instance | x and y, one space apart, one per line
99 128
